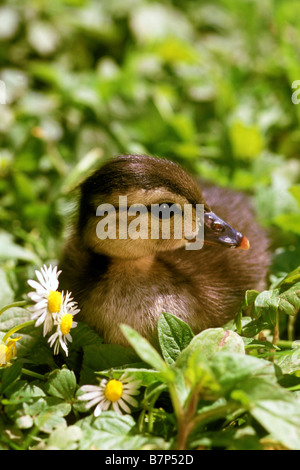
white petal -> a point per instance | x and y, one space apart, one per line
132 401
52 338
97 411
116 407
124 406
105 404
41 279
64 346
89 388
92 402
35 297
35 285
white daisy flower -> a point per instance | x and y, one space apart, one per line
64 323
111 393
47 298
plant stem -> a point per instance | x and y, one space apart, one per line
285 344
33 374
20 303
290 328
276 331
216 413
186 419
17 328
30 437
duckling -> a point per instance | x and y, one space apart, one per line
122 280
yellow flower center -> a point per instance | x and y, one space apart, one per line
54 301
113 390
66 323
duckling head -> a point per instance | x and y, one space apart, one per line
134 206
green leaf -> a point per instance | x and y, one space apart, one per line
213 340
64 438
10 250
62 384
276 409
145 350
284 300
291 278
209 342
8 376
110 431
102 357
199 374
231 369
32 345
289 361
174 335
49 420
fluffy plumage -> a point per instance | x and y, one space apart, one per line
134 282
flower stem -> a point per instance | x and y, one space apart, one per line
33 374
17 328
19 303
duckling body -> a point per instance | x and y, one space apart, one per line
202 287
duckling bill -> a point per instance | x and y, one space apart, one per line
132 281
219 232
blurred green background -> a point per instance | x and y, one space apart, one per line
205 83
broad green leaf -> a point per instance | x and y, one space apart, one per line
62 384
32 345
289 361
64 438
11 250
290 278
284 300
213 340
145 350
276 409
110 431
99 357
209 342
199 374
8 376
174 335
231 369
49 420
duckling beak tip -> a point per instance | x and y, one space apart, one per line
244 245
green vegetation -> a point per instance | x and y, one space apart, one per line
208 84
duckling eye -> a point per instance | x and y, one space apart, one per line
215 225
218 227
